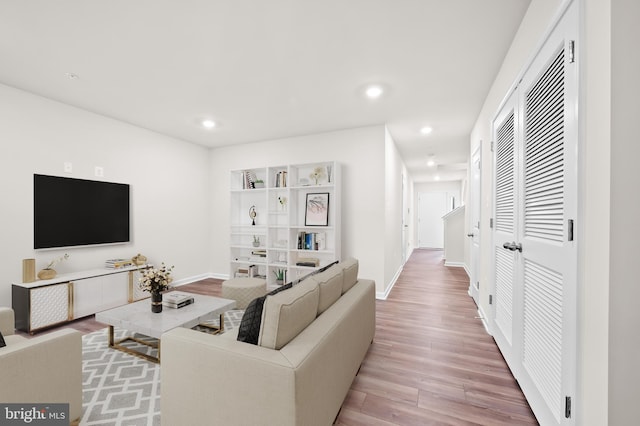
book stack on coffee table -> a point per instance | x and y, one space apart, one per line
177 299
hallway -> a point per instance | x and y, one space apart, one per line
432 361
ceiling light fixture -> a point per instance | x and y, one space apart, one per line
72 76
436 177
374 92
426 130
208 124
431 160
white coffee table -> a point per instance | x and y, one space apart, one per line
138 318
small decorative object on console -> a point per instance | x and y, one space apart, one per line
117 263
48 272
139 259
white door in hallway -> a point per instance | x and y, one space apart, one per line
431 207
474 226
535 252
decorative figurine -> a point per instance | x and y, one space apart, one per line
253 214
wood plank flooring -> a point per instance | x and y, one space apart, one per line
431 362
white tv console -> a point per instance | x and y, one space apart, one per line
66 297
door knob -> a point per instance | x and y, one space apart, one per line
470 235
512 246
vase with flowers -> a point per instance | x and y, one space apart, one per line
156 281
317 174
49 273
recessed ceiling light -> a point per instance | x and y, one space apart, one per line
72 76
426 130
431 162
208 124
374 92
437 177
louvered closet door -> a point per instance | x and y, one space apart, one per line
542 354
505 159
548 205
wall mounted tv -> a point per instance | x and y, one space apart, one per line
76 212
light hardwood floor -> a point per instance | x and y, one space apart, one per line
431 362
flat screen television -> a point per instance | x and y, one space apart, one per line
76 212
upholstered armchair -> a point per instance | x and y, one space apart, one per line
41 369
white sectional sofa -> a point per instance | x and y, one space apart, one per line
42 369
313 338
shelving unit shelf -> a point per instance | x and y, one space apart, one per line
272 208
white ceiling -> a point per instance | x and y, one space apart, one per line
268 69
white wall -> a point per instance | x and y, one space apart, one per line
594 192
361 153
394 171
624 285
594 207
169 184
452 188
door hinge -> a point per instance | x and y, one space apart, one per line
567 407
572 51
491 223
478 285
491 299
570 230
491 146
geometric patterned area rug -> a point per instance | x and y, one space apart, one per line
122 389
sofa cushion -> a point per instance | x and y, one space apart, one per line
350 273
249 328
286 314
330 287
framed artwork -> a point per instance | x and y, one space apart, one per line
317 209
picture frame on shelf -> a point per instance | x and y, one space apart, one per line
316 212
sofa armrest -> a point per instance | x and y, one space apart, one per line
204 374
44 369
7 321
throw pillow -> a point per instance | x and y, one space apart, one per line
286 314
249 329
2 343
330 285
350 272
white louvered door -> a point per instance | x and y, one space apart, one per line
542 353
506 131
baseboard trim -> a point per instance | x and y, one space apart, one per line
383 295
483 318
455 264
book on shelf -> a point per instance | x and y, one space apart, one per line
117 263
247 271
312 241
308 261
177 300
249 179
281 179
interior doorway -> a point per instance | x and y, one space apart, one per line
431 207
474 225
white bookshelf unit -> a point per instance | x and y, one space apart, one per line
281 217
